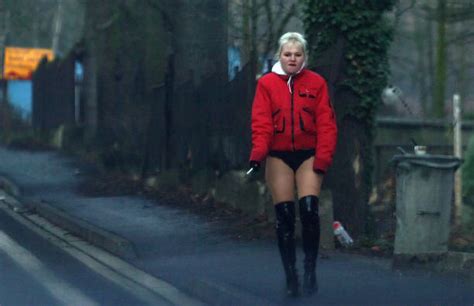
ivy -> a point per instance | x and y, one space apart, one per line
367 36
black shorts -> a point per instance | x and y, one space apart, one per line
293 159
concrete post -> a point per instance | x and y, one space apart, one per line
457 142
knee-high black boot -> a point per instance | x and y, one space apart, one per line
285 229
309 215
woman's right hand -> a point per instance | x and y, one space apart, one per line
254 166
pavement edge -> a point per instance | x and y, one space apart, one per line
459 263
93 234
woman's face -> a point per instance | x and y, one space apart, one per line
292 57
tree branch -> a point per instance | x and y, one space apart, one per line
104 25
400 12
464 38
284 21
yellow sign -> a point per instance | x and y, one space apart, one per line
20 63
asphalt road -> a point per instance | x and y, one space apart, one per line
34 271
192 254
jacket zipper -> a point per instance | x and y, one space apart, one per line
292 115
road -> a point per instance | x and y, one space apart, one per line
35 271
187 253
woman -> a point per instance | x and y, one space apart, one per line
294 130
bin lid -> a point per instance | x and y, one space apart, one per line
428 160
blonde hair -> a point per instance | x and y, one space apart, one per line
294 38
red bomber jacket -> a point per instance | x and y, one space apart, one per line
293 115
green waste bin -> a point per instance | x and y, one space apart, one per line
424 196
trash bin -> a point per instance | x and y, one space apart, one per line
425 185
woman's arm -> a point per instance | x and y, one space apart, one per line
326 131
262 124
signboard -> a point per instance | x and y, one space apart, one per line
20 63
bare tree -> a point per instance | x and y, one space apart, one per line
255 25
427 58
441 52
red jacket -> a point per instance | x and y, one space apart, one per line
303 118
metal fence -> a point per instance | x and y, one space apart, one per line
54 94
172 125
204 125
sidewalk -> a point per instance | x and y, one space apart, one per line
195 255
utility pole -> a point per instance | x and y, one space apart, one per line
58 22
457 142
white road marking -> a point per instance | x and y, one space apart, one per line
149 289
61 291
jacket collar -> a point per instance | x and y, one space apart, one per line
278 69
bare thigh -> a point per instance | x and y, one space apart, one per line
308 182
280 180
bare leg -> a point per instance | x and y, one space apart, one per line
308 182
280 180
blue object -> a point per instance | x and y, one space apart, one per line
19 94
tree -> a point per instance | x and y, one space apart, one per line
349 43
44 23
440 73
453 33
257 24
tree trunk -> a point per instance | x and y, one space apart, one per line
440 74
349 176
167 154
462 85
422 71
90 76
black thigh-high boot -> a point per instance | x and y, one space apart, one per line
309 215
285 230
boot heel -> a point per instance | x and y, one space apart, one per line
285 230
309 215
310 282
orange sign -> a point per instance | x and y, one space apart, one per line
20 63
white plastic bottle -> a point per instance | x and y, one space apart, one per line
342 234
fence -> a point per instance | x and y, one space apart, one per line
200 126
395 133
54 94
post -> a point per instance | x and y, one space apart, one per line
457 153
58 23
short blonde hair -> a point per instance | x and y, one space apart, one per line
291 37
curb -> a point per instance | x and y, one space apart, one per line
9 187
460 263
93 234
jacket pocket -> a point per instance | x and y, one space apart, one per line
278 122
307 120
